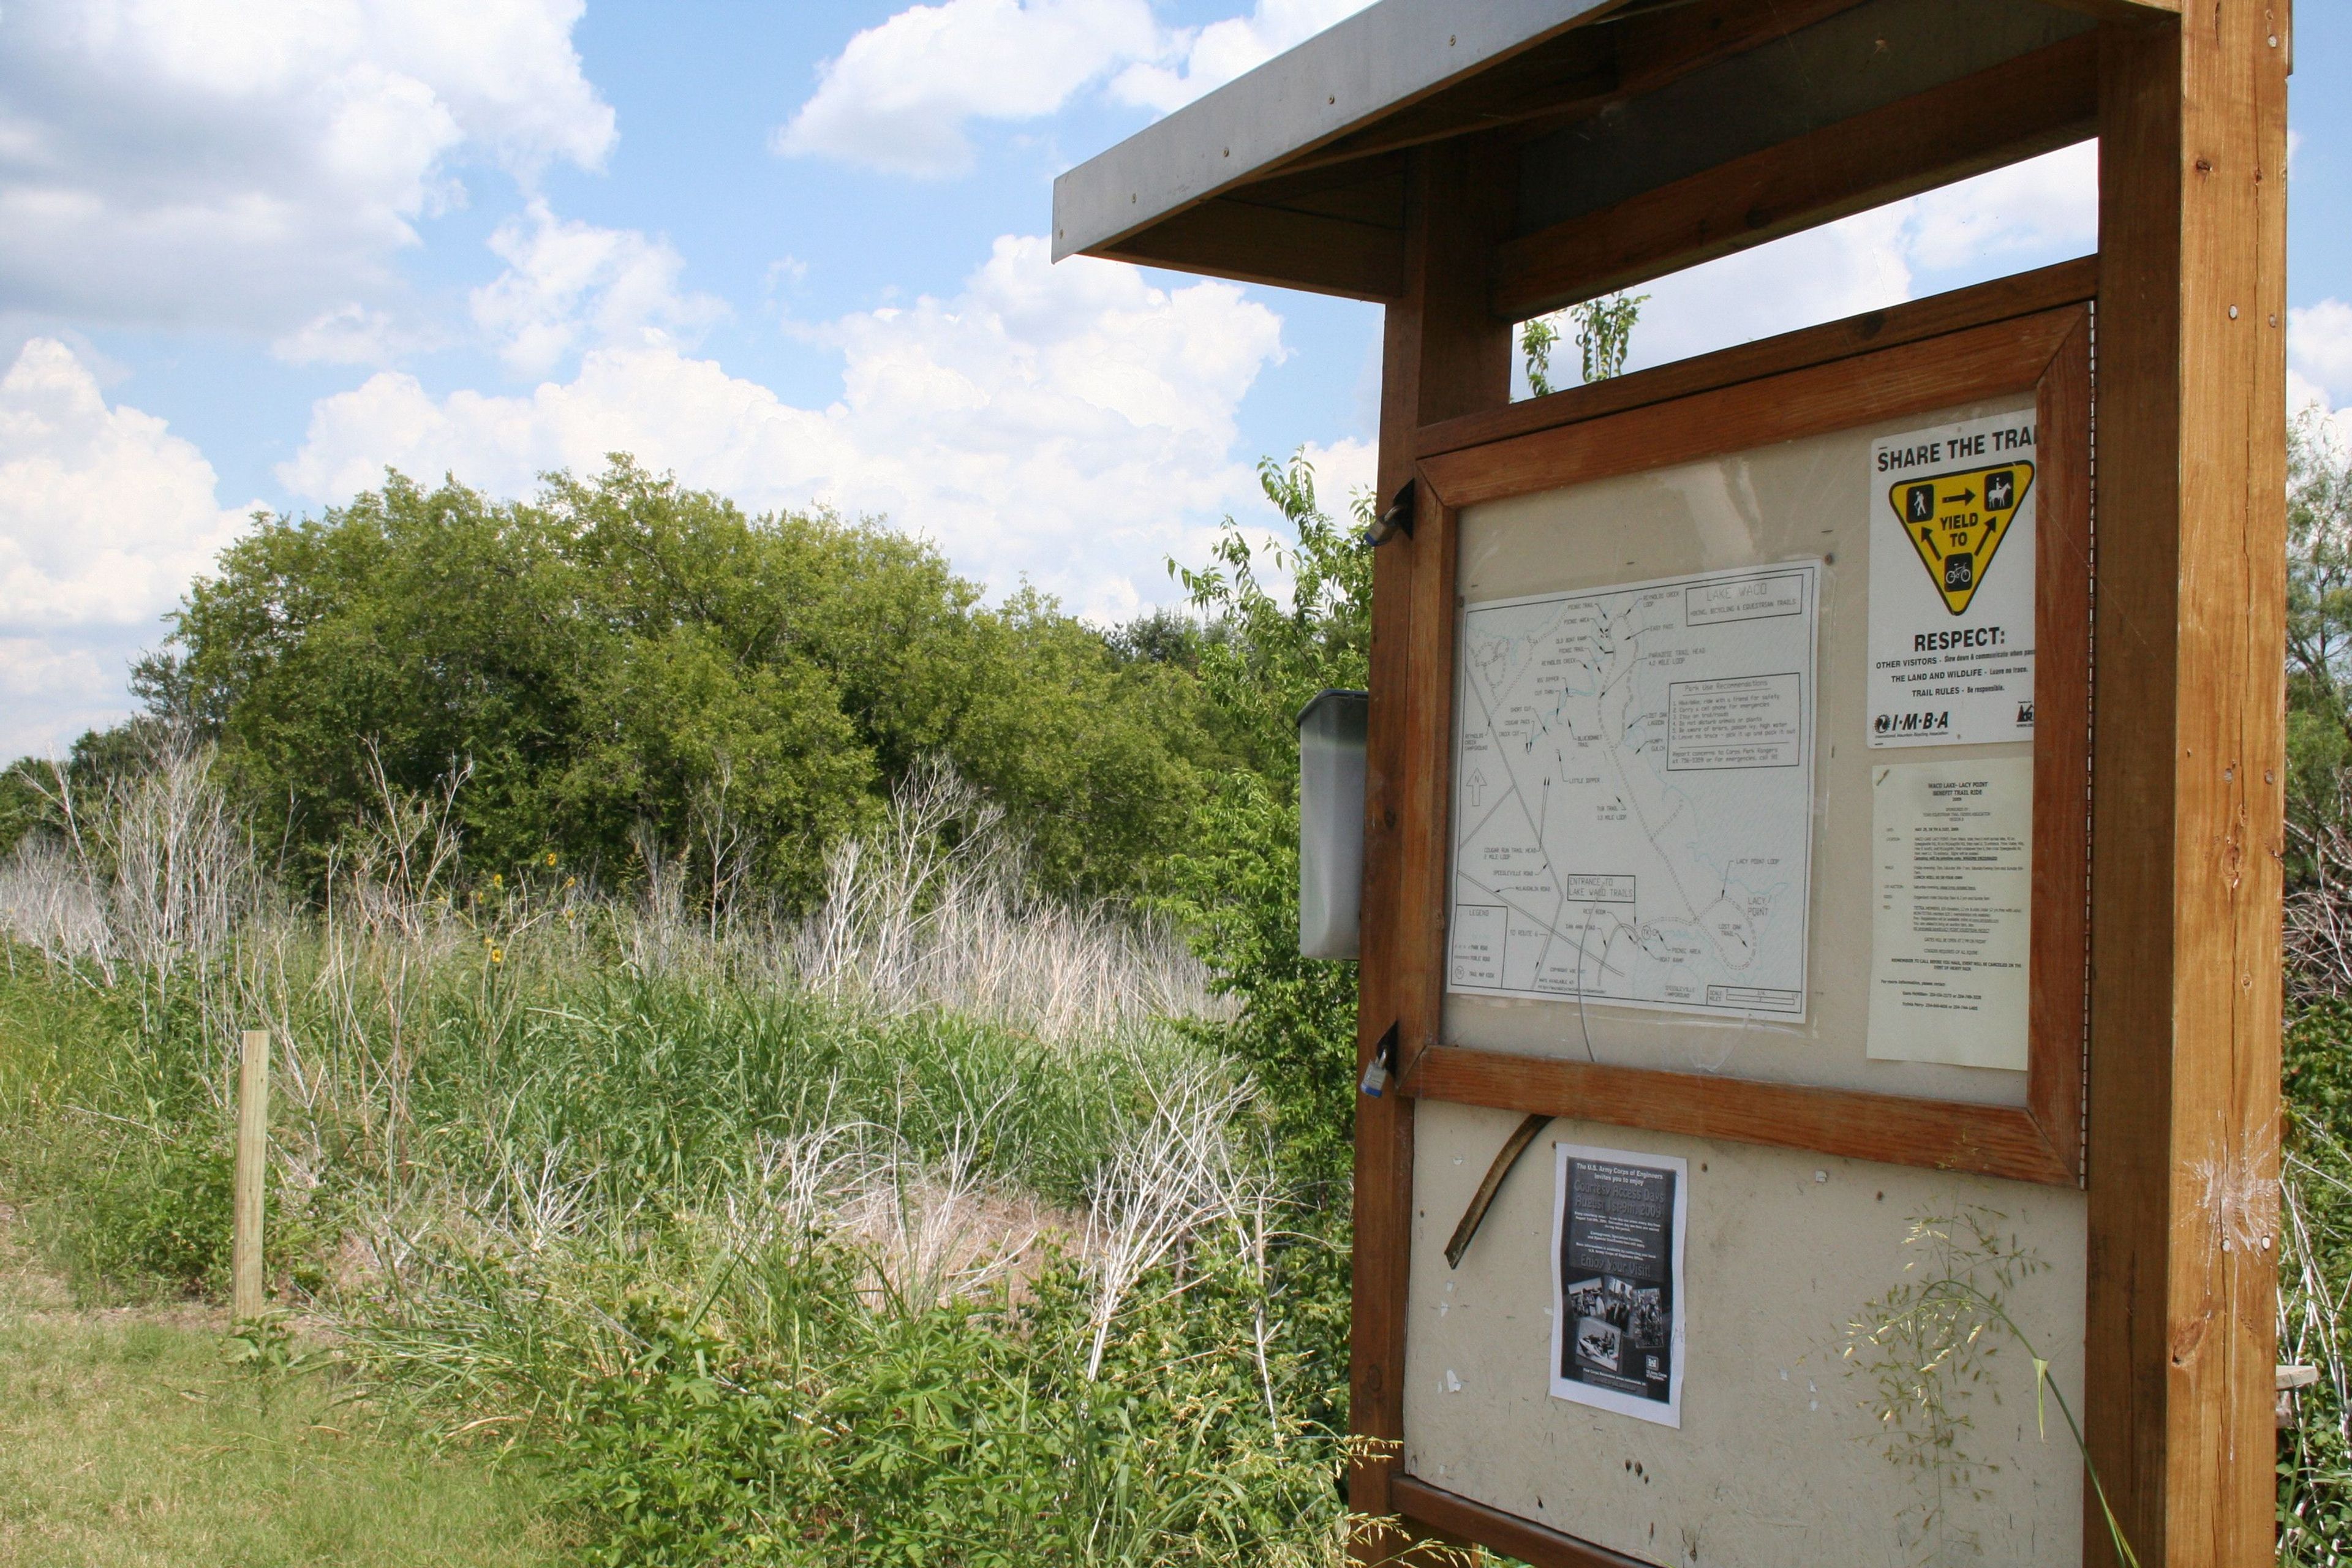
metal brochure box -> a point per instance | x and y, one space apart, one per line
1332 730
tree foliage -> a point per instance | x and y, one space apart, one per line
624 654
2319 624
1236 883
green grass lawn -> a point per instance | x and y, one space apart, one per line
125 1439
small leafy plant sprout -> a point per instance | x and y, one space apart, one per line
263 1349
1924 1348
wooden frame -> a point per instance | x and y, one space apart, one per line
2028 331
2047 351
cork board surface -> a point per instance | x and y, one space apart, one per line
1778 1462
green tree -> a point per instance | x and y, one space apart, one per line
624 653
1604 336
1237 885
2318 628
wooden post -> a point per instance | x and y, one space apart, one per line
1444 355
252 1174
2188 781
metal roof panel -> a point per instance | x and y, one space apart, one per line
1342 78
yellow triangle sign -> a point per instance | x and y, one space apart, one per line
1956 522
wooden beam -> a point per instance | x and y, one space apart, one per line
1227 238
1910 378
1442 355
2187 794
2126 11
1582 73
2020 294
1942 1135
2024 107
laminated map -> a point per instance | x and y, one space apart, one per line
1633 780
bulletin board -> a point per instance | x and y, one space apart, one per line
1769 885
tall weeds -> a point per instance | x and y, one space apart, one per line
912 1228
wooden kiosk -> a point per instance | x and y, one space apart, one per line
1470 165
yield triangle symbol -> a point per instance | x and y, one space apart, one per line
1956 522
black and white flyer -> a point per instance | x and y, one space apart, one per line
1617 1226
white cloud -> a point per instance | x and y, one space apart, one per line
569 282
180 163
1343 469
1204 60
2319 349
350 334
2043 207
104 517
1072 423
899 96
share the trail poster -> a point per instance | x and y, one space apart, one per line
1951 582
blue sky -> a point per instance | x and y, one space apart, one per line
260 252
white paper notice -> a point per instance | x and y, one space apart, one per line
1951 584
1617 1227
1952 858
1633 789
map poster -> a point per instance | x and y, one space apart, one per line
1952 922
1633 793
1617 1228
1951 584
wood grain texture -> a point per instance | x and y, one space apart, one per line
1455 1515
1914 377
1443 356
2020 294
1601 62
2186 806
2059 981
1936 1134
1229 237
247 1294
2020 108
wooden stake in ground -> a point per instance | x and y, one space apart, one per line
252 1172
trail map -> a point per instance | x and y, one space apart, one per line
1633 814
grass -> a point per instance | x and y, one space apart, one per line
127 1441
927 1230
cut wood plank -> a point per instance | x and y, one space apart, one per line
2024 107
1580 73
1225 238
2009 356
1941 1135
2021 294
2059 980
2187 807
1443 356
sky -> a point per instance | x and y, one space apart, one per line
258 253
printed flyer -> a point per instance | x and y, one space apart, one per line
1617 1220
1951 584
